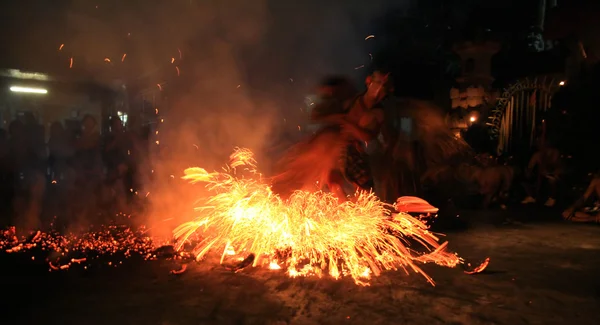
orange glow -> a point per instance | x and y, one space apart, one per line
311 233
480 268
108 240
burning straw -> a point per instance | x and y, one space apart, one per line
309 233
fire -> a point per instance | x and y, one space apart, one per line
309 233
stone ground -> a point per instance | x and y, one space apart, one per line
540 273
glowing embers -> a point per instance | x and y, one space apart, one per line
309 233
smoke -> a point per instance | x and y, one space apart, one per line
244 70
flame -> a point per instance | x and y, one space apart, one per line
309 233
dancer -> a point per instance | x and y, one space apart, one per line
336 156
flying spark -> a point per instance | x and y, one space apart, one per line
310 233
61 47
370 36
123 57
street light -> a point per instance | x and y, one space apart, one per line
29 90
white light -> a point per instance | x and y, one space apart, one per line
473 119
28 90
562 83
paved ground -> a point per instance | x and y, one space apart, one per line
539 274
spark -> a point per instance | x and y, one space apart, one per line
159 87
370 36
123 57
180 55
359 67
70 63
177 68
61 47
172 60
107 60
311 233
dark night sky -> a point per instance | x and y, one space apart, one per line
267 41
286 37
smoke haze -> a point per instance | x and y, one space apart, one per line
245 68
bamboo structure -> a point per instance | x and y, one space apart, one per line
515 119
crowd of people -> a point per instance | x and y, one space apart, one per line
74 174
